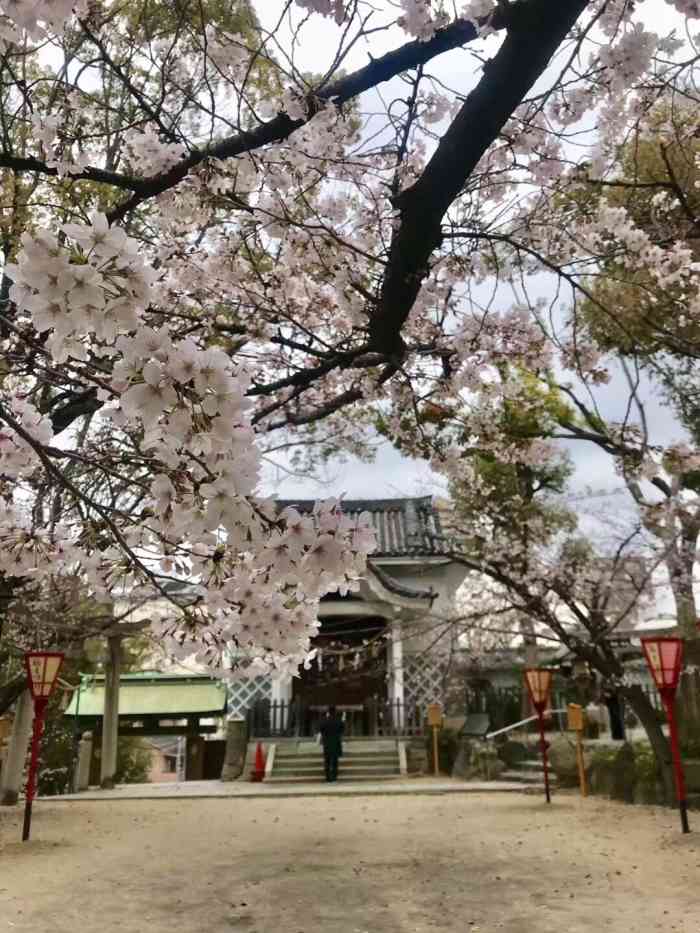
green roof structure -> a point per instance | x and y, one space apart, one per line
166 696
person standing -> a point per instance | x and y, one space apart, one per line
332 740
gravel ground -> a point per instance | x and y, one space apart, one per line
349 865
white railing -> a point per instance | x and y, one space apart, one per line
523 722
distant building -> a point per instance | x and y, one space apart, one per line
373 646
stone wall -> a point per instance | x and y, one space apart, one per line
627 772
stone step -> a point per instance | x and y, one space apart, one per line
342 778
346 765
528 765
310 759
350 769
351 748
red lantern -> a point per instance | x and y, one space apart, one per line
664 657
42 674
538 681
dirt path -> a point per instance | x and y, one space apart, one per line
360 865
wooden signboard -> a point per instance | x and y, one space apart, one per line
575 717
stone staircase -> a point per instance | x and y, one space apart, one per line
363 760
529 771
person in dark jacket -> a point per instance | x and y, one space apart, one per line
331 730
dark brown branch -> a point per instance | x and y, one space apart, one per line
408 56
536 31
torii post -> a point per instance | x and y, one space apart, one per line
110 716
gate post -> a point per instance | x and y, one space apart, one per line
81 779
13 767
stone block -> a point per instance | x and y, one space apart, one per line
513 753
562 757
463 760
416 757
236 747
485 762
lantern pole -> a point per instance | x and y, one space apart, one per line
664 657
40 704
42 671
538 682
667 697
545 759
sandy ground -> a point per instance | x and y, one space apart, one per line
362 865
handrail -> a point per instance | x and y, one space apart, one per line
523 722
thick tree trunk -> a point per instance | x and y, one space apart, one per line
684 598
681 569
648 717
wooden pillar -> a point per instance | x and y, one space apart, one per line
13 766
110 723
194 766
396 681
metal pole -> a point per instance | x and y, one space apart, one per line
545 763
435 751
39 711
677 766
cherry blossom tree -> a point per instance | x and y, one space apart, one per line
210 250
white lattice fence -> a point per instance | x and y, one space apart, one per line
423 680
244 693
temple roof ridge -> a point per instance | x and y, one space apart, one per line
406 526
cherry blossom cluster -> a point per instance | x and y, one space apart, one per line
25 550
99 296
148 154
187 406
17 456
34 16
334 8
671 268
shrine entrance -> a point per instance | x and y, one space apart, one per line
348 672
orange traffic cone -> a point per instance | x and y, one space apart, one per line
258 772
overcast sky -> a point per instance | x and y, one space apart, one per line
392 474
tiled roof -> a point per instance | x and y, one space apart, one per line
404 527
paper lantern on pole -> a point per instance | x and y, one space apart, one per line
42 672
538 681
664 657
